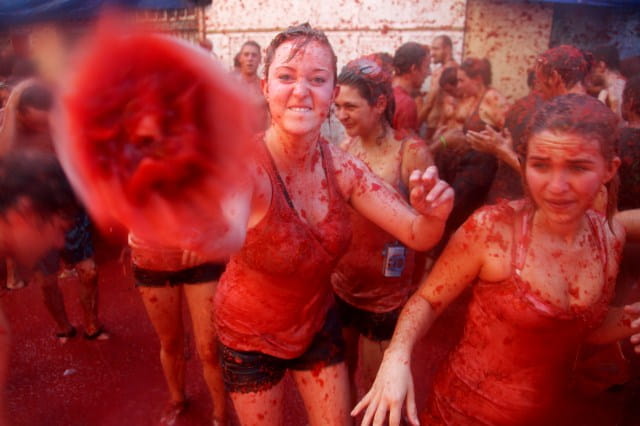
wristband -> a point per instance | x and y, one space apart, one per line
443 142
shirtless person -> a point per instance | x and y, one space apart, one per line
411 63
441 53
607 68
249 59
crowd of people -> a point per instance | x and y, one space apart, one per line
344 255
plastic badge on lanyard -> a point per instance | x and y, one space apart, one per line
395 255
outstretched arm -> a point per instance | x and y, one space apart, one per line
393 387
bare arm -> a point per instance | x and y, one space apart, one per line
499 144
620 322
419 225
630 220
393 388
415 156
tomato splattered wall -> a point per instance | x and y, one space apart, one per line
510 34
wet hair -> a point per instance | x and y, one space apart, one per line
446 40
631 95
580 115
385 60
410 53
531 78
301 35
38 178
607 54
449 77
371 80
571 64
475 67
35 96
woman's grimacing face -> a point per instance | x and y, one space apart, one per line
300 90
564 173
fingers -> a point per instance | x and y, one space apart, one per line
434 197
412 411
426 179
395 412
370 411
360 405
634 310
381 414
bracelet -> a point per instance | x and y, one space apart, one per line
443 142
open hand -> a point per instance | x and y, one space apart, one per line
391 391
430 195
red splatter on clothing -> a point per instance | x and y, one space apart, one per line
406 114
275 293
513 363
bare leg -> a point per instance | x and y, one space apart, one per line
325 394
262 408
53 300
5 344
88 277
163 305
200 300
371 357
352 339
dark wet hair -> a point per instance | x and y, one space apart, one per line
385 60
39 178
631 95
302 35
571 64
475 67
35 96
608 54
446 40
410 53
531 78
449 77
580 115
371 80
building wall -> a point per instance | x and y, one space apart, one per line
354 27
589 26
510 34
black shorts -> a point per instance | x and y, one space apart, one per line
374 326
78 246
78 241
198 274
246 372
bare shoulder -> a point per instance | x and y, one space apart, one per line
349 170
494 219
488 235
345 143
494 97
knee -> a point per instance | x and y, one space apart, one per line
208 352
87 272
172 345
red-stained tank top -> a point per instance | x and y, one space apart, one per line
359 279
275 293
514 362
